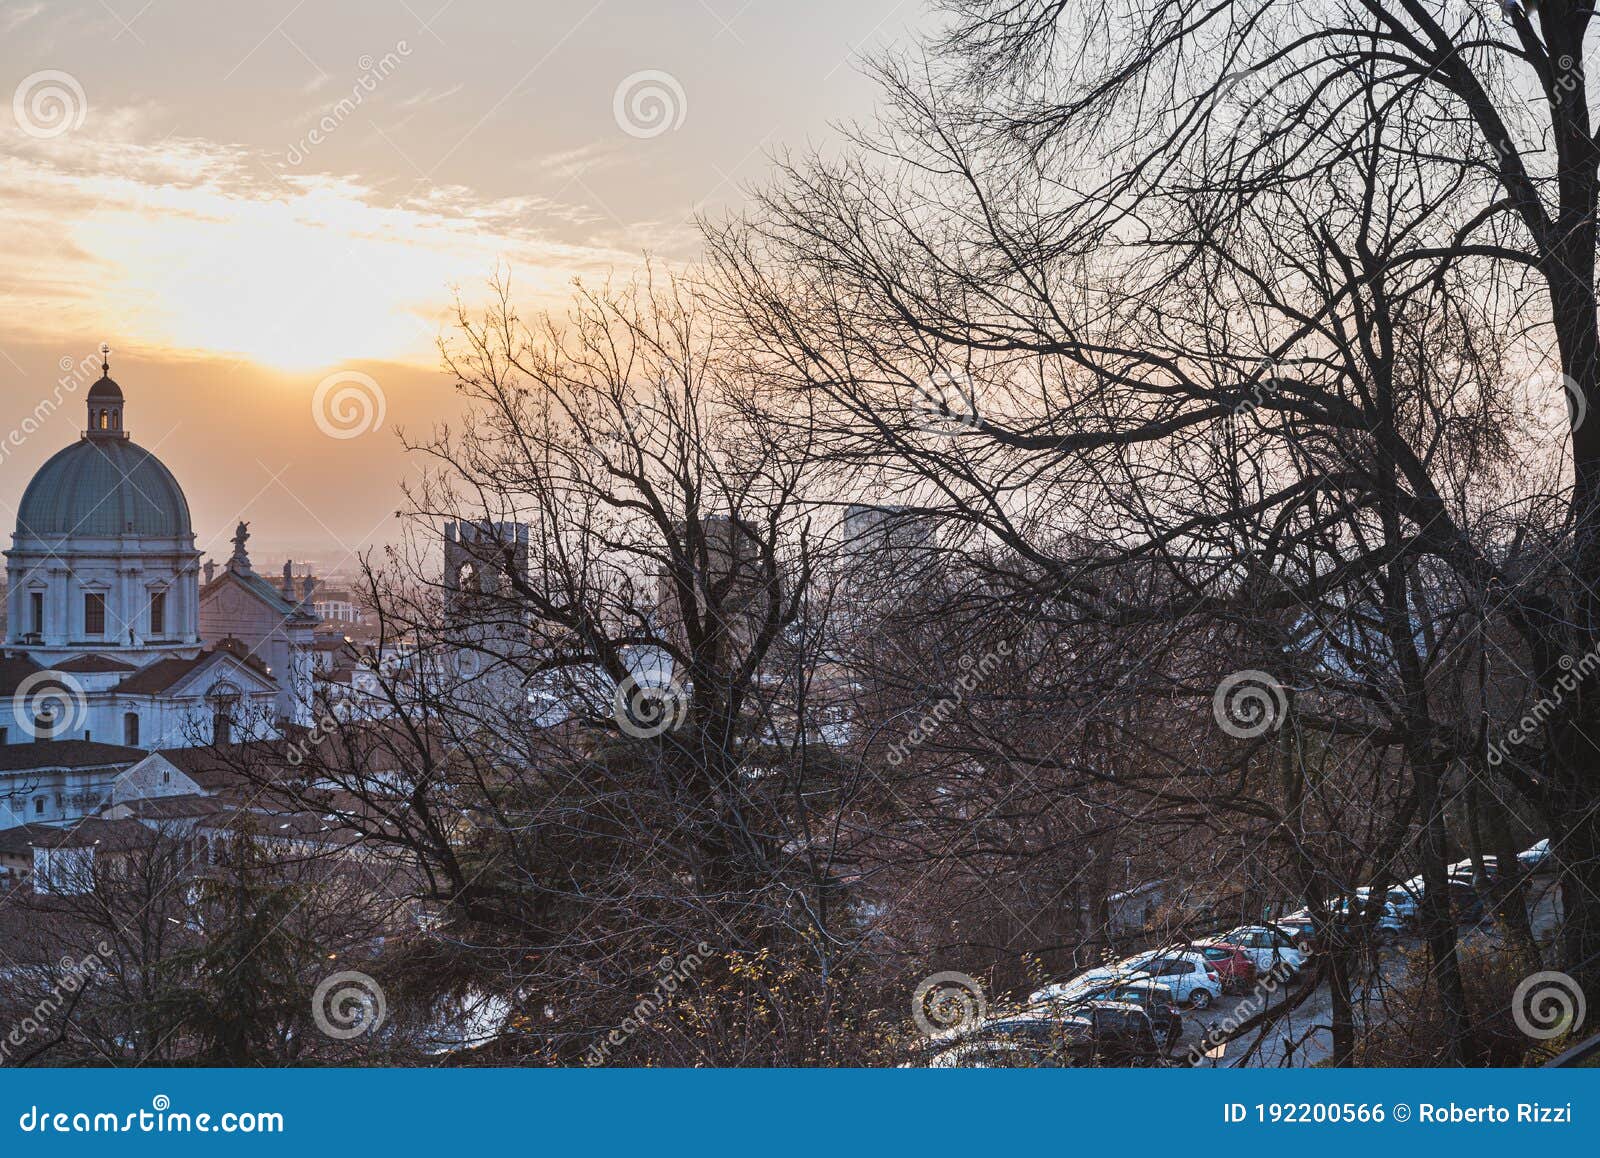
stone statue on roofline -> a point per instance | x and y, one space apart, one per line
241 557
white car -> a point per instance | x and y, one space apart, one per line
1190 977
1535 855
1463 870
1268 948
1084 984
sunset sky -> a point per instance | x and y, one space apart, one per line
243 199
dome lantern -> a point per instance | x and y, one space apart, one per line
105 402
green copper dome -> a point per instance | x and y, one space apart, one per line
103 486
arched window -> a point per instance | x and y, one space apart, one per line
224 700
130 729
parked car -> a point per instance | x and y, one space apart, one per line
1269 947
1300 929
1188 974
1085 985
995 1054
1111 1033
1465 870
1120 1033
1400 896
1465 902
1154 998
1235 967
1184 971
1349 914
1535 856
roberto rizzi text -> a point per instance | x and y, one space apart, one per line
1521 1112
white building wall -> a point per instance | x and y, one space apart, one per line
126 570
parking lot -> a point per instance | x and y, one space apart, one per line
1304 1036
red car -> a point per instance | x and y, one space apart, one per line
1231 964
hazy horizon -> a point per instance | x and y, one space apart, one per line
244 204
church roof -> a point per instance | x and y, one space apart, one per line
93 832
168 673
65 754
182 807
100 486
265 592
13 670
92 665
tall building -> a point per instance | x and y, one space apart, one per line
485 621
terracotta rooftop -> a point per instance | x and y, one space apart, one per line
93 664
65 754
164 673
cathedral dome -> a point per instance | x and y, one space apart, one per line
103 486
